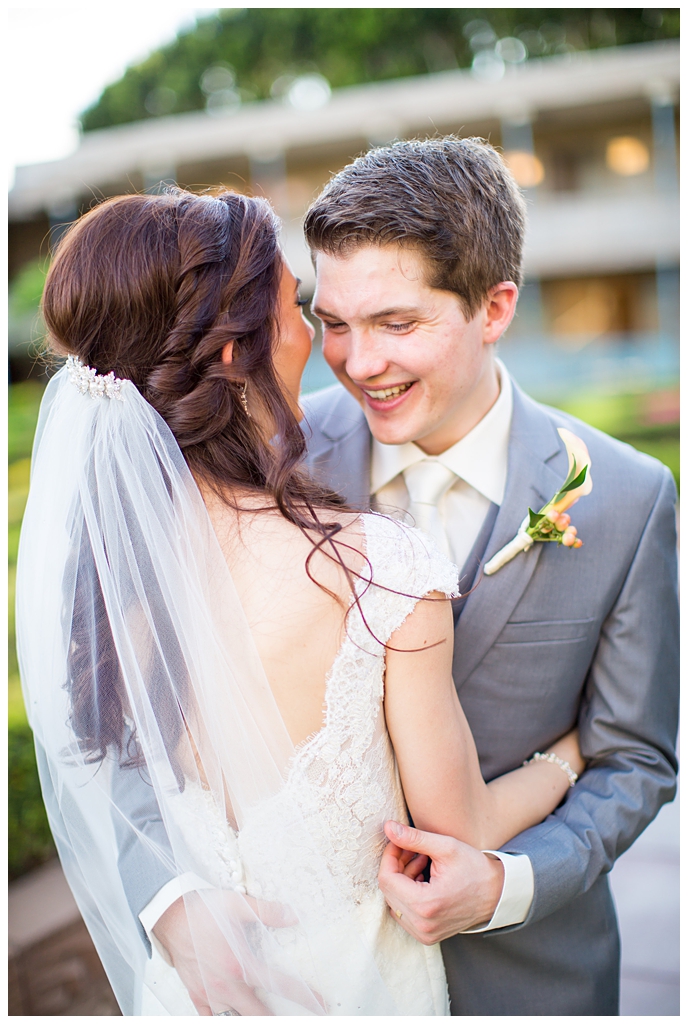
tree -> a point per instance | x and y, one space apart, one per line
240 54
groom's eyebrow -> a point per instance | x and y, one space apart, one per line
378 315
395 311
319 311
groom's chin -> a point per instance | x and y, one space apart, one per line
388 430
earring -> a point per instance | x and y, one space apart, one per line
242 396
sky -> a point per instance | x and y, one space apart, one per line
59 60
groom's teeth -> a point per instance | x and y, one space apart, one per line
388 392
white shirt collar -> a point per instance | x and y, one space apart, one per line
479 458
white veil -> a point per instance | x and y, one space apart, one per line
133 645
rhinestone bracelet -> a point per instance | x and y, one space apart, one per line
559 762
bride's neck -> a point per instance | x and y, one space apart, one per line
235 497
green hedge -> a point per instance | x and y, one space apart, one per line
30 841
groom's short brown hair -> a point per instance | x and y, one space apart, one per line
452 200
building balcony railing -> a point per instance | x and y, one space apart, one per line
586 233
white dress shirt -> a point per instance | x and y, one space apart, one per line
480 462
163 900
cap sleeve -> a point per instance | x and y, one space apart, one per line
404 565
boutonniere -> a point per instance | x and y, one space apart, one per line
552 522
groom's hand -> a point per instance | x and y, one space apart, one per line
213 976
464 888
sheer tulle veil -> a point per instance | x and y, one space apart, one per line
129 627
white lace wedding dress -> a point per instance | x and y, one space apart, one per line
344 782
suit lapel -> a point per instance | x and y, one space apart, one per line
469 571
530 483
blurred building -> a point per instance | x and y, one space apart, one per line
590 136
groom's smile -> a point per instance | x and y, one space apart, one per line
421 370
388 397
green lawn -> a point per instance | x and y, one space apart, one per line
29 840
18 491
24 400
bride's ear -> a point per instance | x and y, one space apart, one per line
228 352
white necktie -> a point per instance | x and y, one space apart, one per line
427 482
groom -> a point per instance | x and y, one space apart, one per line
418 257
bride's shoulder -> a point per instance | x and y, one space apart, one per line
405 558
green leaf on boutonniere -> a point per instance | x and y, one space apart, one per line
571 474
576 482
535 519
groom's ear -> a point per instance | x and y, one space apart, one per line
228 353
498 310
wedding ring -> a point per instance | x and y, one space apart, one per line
227 1013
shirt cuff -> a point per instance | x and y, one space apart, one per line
517 892
163 900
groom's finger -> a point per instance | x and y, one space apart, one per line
391 859
406 856
274 915
246 909
414 840
416 866
397 886
241 998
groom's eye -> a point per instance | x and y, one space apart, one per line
400 328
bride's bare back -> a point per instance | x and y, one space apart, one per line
297 625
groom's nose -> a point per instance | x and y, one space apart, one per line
365 357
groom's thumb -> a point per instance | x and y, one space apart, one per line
413 839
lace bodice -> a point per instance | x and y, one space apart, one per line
344 778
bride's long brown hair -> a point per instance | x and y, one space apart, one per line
152 287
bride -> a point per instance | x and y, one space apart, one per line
201 623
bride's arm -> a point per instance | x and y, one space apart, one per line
434 746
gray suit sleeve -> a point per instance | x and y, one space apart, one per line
628 724
144 853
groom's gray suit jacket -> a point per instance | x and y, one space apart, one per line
556 637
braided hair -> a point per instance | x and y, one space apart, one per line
153 287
